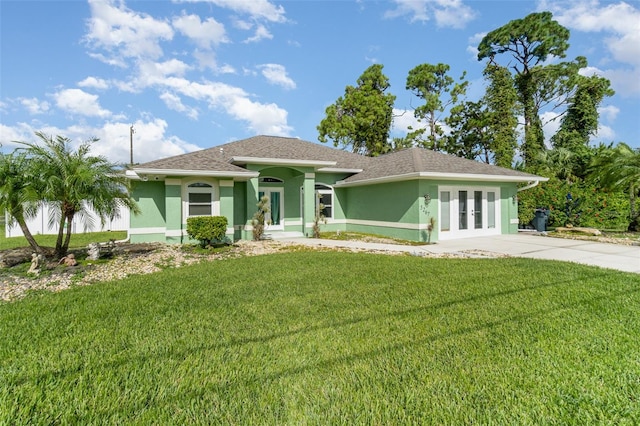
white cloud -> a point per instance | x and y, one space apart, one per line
550 125
257 9
620 22
174 102
10 134
205 34
94 82
266 119
124 33
150 141
609 113
261 33
277 74
34 105
80 102
261 118
403 119
447 13
605 134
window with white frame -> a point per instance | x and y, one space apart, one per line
325 200
199 199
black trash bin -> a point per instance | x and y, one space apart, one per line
541 219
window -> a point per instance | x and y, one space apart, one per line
445 211
199 199
325 197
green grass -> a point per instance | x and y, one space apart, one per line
77 240
361 236
330 338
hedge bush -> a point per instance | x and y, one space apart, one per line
207 229
587 206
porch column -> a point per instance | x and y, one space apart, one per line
309 203
173 210
252 201
226 205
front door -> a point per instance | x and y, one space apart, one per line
274 220
468 211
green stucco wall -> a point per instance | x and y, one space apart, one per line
395 209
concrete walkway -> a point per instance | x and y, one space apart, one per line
613 256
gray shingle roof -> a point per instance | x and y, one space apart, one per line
400 163
219 157
420 160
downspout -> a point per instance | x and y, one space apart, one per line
529 186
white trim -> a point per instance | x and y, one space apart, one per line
281 161
294 222
443 176
175 182
338 170
399 225
309 175
226 183
138 173
454 231
175 233
140 231
280 190
214 191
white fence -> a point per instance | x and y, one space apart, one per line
40 224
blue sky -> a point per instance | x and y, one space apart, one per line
194 74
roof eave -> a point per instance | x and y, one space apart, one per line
282 162
443 176
138 173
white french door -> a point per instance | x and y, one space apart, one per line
274 220
468 211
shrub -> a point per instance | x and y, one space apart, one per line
207 229
587 205
259 218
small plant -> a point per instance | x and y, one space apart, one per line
319 217
430 226
207 229
259 218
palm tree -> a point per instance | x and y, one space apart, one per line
619 168
18 197
74 181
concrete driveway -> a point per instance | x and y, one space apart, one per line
613 256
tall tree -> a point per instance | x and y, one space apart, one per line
618 168
73 180
580 120
17 194
361 119
501 100
469 137
486 130
431 83
531 41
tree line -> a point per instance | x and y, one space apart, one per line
525 73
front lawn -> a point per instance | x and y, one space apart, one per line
330 338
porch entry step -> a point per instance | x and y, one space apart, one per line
275 235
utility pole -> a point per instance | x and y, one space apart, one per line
131 132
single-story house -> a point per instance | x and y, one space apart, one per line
414 194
